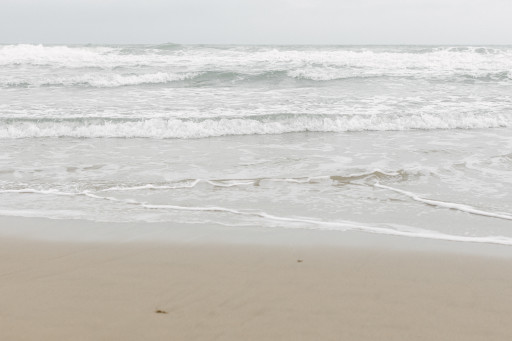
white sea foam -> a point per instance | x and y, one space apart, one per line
69 56
450 205
100 80
113 80
328 73
175 128
38 191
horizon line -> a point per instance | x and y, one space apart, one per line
257 44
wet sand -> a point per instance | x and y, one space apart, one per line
143 290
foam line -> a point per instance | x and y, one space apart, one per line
450 205
393 230
37 191
231 183
151 186
386 229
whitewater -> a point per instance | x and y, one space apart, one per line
412 141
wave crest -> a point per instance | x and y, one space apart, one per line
254 125
106 80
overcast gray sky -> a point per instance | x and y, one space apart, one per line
257 21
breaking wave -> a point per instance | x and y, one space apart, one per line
252 125
103 80
159 62
318 74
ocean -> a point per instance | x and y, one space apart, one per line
411 141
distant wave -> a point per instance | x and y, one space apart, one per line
166 46
47 55
319 74
109 79
68 56
253 63
105 80
252 125
331 73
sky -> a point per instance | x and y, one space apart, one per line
256 21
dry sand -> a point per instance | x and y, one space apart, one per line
216 291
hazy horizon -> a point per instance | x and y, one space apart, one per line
255 44
279 22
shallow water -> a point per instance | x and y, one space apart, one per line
413 141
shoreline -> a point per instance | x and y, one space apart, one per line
250 285
102 291
84 231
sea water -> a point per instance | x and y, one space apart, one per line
402 140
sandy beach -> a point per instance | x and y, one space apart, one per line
207 289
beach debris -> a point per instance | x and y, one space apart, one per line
158 311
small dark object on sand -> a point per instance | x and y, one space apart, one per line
158 311
299 260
